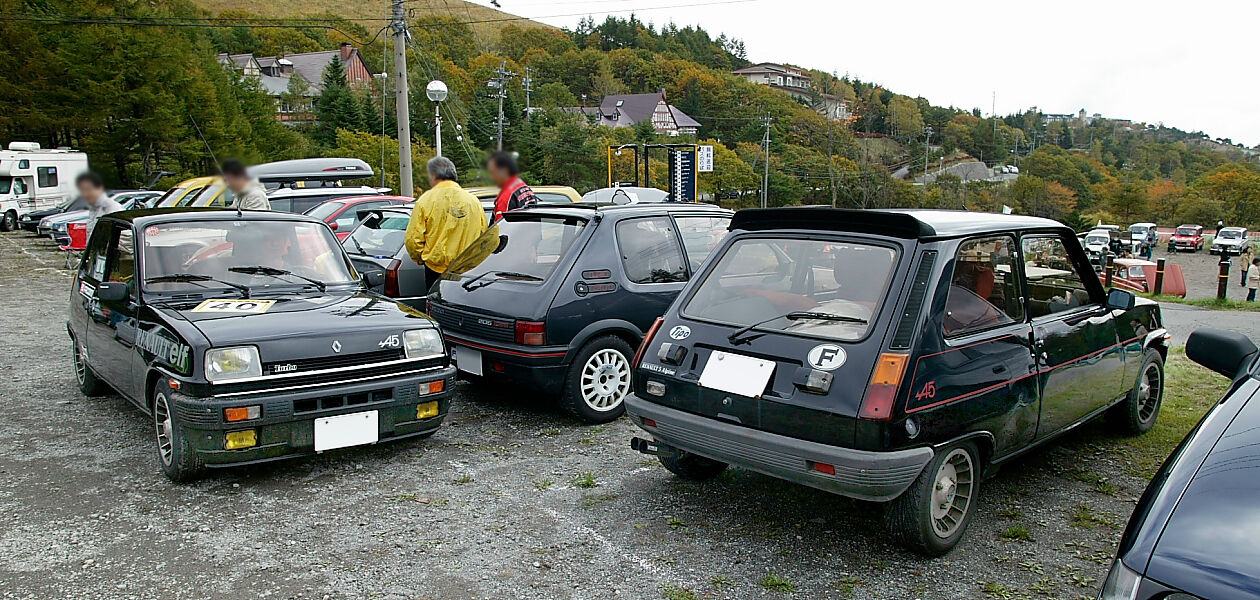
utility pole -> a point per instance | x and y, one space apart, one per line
401 105
499 83
927 145
765 178
527 83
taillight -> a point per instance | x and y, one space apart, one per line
647 339
882 391
391 278
531 333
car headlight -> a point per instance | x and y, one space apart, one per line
1121 584
239 362
419 343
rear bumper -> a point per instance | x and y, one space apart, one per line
542 370
878 476
287 425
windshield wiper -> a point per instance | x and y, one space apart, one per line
794 316
196 278
468 285
517 275
274 272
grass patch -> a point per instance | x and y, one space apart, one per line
1011 514
542 485
775 583
677 523
673 592
1017 533
720 581
1084 517
996 590
1211 303
593 500
465 478
847 584
584 480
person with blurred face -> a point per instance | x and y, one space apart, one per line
247 193
505 172
92 190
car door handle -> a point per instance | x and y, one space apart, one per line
999 369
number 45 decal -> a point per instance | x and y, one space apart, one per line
928 392
390 342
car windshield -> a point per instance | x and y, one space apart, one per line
766 280
379 235
222 249
1097 238
1138 229
1227 234
521 249
325 210
1185 231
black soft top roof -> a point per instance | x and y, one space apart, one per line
901 223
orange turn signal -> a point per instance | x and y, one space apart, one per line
432 387
242 413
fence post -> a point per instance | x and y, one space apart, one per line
1110 270
1224 277
1159 276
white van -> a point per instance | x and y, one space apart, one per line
33 179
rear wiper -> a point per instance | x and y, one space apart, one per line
357 245
274 272
516 275
196 278
468 285
794 316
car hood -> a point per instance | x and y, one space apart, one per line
296 327
1178 236
1208 548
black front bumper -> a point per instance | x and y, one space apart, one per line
286 427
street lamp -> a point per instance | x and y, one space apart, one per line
436 91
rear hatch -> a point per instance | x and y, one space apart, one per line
818 308
377 242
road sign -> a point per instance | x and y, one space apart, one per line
682 174
704 159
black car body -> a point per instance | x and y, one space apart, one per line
30 221
186 314
557 297
879 354
1193 532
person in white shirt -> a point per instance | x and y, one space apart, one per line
1253 279
92 190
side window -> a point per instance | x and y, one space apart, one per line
122 258
93 265
19 187
649 250
700 235
46 176
984 290
1054 284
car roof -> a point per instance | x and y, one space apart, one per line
1233 229
196 181
371 198
903 223
588 209
177 214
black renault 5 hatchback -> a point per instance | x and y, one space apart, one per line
891 356
556 298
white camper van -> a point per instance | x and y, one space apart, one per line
34 179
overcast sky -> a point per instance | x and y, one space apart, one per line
1186 64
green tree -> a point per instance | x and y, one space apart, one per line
336 107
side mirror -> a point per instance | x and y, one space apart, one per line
374 279
1226 352
1120 300
112 291
333 226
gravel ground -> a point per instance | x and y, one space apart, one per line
1202 273
509 500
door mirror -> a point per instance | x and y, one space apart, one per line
1120 300
333 226
1226 352
374 279
112 291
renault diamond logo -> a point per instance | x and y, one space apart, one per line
336 346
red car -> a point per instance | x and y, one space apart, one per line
342 214
1186 237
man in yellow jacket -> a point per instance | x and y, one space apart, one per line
445 221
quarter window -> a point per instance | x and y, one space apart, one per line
1054 282
46 176
984 290
122 263
93 265
649 250
700 235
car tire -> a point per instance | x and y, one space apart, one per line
178 462
599 380
89 384
1139 410
9 222
932 515
692 467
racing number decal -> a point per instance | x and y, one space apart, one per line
235 307
928 392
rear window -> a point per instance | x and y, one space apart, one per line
839 285
380 235
552 198
325 210
520 249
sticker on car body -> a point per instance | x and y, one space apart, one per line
680 332
826 357
235 307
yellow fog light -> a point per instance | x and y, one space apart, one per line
426 410
235 440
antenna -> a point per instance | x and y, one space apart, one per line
217 166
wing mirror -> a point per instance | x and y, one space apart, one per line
333 226
1226 352
112 291
1120 300
374 279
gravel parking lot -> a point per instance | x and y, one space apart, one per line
1202 272
509 500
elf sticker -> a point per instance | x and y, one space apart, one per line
235 307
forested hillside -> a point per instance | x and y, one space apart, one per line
140 98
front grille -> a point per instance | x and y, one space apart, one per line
330 362
265 384
474 324
308 405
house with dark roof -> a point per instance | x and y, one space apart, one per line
625 110
304 71
797 83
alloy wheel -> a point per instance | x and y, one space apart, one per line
952 492
162 422
80 363
1150 390
605 380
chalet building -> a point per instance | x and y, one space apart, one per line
625 110
798 84
303 71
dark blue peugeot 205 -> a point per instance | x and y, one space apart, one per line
892 356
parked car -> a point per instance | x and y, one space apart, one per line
342 215
1186 237
891 356
1231 240
248 338
31 221
1193 532
556 297
302 200
377 245
183 192
626 195
1138 275
1099 242
58 226
1143 236
547 194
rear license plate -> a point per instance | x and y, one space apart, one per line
346 430
467 360
736 374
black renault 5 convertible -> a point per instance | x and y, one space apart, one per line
248 337
891 356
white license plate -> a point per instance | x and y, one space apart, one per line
467 360
736 374
346 430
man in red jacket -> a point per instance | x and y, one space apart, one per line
513 193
